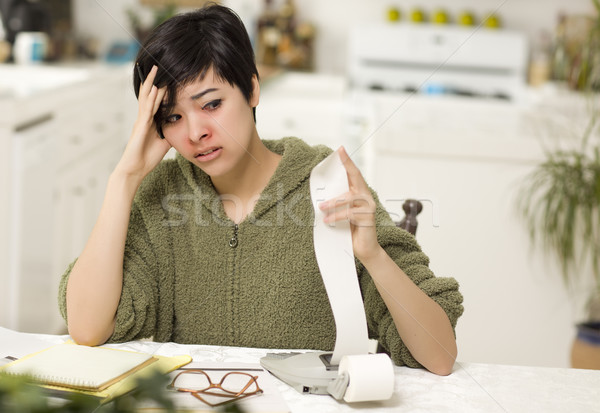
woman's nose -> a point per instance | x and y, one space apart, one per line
197 128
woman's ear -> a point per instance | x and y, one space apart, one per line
255 96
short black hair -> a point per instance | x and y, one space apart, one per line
187 45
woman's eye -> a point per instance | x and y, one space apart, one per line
212 105
172 118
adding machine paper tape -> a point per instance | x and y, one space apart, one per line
351 373
335 256
371 377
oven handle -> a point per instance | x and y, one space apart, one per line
34 122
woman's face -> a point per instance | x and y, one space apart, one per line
212 124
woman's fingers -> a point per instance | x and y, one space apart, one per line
360 217
144 149
150 96
147 92
159 98
357 205
349 200
355 178
334 203
358 208
146 84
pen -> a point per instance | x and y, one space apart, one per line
139 70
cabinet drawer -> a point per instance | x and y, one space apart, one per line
315 121
81 132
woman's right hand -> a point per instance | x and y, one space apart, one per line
95 283
145 149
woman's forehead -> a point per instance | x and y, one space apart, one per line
204 81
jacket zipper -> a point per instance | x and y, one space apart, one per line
233 242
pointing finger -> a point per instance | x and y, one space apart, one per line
148 83
355 177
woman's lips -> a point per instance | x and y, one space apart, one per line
209 154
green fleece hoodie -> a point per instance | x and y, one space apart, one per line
184 281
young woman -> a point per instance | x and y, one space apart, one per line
215 246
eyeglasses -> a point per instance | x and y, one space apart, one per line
234 386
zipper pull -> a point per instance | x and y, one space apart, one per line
233 242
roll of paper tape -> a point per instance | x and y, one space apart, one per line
371 377
335 257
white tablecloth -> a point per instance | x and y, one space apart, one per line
472 387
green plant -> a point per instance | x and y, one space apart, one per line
589 72
19 394
560 199
561 205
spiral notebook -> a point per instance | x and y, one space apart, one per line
80 367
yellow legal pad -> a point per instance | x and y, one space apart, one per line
102 372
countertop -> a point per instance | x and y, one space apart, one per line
26 91
22 81
472 387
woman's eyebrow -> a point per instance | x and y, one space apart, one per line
192 97
204 92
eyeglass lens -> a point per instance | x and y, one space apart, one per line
233 382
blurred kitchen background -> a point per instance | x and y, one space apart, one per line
450 103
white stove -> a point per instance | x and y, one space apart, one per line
436 59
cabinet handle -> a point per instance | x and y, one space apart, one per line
32 123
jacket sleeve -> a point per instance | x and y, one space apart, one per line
137 309
402 247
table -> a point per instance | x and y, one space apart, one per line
472 387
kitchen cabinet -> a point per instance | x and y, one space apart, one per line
465 160
62 144
303 105
77 198
32 178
